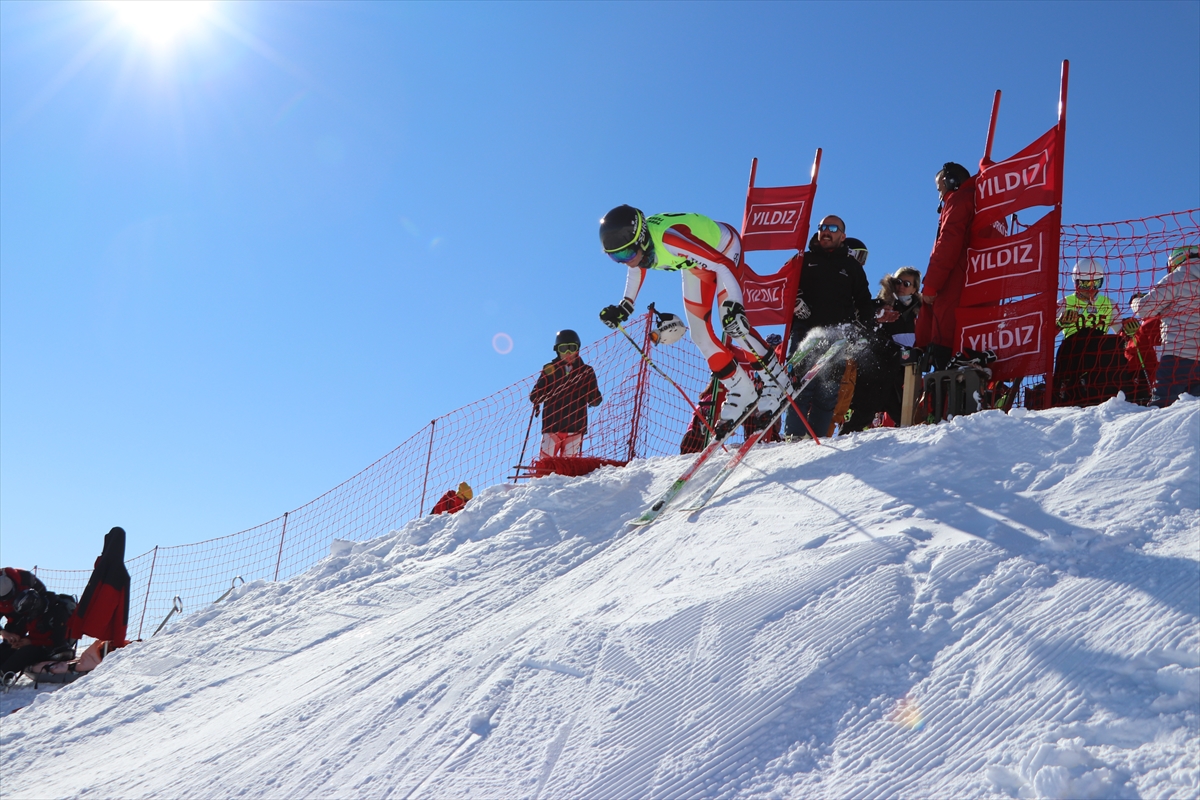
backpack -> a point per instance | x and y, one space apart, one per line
59 608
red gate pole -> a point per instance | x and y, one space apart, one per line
1062 157
749 192
639 391
146 600
987 148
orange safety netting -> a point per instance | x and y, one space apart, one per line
485 443
1092 365
641 415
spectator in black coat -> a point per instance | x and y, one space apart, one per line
833 291
565 389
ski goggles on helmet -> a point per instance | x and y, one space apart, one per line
625 254
567 347
1182 255
1089 283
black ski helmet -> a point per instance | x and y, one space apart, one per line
624 227
857 249
955 175
566 336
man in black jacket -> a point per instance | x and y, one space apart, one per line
565 389
833 291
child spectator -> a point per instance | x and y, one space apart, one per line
453 501
565 389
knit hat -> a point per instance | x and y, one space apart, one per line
464 491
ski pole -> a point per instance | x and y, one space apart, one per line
528 428
646 358
762 367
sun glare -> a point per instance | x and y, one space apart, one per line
161 21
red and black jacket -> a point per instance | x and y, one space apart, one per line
565 393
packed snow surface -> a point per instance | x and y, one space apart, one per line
998 606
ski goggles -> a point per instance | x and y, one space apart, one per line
625 254
567 347
1090 284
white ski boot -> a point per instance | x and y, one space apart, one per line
740 395
775 381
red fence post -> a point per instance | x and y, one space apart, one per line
283 533
639 391
146 600
428 459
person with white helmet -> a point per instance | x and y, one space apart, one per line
1175 300
1086 308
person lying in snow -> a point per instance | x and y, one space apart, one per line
453 501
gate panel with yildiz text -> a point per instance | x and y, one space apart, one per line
776 218
1008 292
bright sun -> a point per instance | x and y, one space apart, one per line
161 21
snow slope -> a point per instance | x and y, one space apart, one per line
999 606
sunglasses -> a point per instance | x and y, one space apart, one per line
1093 284
904 283
569 347
829 226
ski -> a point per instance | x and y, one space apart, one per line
729 466
658 506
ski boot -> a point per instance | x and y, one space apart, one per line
740 396
775 382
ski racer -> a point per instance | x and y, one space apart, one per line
708 255
1086 308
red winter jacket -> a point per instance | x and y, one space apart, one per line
947 270
565 392
450 503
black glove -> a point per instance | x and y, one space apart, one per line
733 320
612 316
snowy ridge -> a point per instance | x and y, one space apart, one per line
996 606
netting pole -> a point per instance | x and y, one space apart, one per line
283 533
146 601
428 459
521 458
639 391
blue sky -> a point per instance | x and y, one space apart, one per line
237 268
